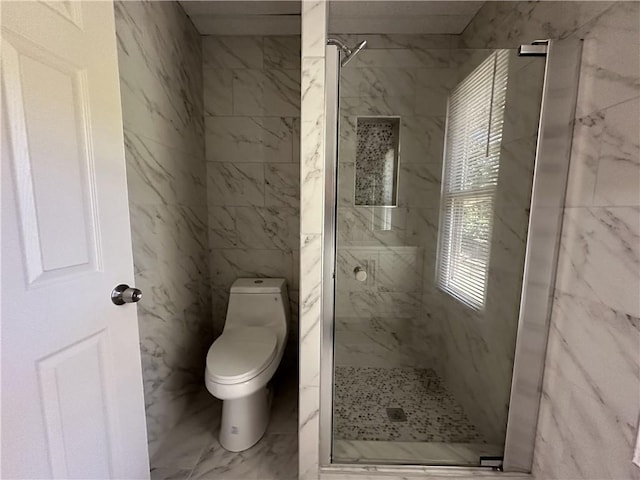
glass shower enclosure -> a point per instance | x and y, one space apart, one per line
430 208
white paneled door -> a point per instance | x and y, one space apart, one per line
72 403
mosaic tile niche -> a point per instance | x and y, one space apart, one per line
377 161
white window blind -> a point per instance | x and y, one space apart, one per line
475 117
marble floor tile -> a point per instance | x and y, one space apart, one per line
192 450
218 463
284 413
193 434
280 458
168 473
274 457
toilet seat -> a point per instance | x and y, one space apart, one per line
240 354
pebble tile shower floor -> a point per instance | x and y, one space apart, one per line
363 394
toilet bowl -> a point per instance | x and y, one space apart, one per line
244 358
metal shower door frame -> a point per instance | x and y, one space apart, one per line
553 151
551 171
329 245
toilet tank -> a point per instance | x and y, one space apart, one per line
258 302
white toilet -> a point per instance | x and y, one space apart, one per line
244 358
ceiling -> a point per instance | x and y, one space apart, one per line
240 17
416 17
266 17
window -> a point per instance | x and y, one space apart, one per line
475 116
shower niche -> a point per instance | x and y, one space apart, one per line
376 166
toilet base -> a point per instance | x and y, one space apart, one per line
244 420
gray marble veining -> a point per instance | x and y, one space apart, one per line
599 256
274 228
160 62
282 186
591 386
405 57
282 52
159 44
266 92
314 26
504 24
191 449
249 139
583 169
610 65
252 110
235 184
584 431
422 139
229 264
572 426
619 163
233 52
218 91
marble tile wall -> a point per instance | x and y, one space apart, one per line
379 322
312 96
377 319
590 406
160 61
252 114
589 411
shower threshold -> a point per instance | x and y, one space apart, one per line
413 453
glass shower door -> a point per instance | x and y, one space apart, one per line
435 164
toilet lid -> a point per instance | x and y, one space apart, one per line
240 354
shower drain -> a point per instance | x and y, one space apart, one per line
396 415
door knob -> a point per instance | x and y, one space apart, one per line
125 294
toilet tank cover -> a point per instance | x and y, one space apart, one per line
259 285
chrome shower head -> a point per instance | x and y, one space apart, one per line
352 53
348 53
